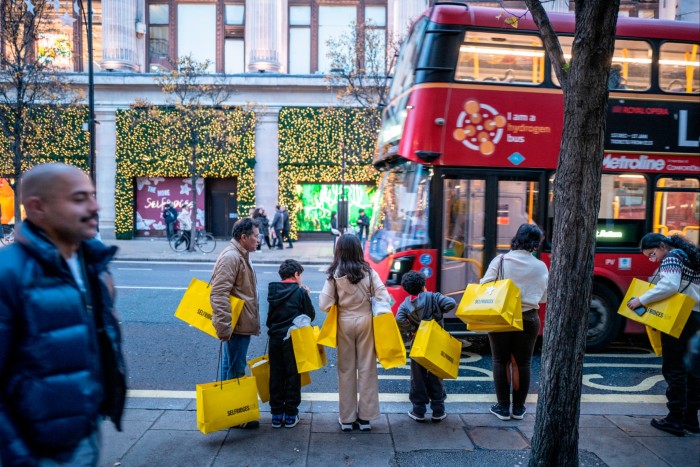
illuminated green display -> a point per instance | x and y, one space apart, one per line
316 201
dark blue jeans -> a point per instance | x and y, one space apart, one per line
683 391
234 359
426 388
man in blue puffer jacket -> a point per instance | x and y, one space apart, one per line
61 363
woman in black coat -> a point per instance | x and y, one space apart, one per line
263 226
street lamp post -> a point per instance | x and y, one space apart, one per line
87 18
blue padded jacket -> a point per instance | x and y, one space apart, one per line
61 363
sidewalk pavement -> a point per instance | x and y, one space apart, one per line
316 252
163 432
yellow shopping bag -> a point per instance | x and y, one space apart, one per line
260 368
305 379
388 343
654 340
436 350
516 326
668 315
329 330
306 350
491 303
195 309
228 403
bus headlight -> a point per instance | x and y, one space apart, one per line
399 267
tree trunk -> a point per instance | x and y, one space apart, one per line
577 195
193 176
17 168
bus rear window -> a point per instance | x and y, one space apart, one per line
677 207
679 68
501 58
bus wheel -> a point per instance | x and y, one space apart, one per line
604 323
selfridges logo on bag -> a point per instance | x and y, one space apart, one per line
484 301
238 410
203 313
447 357
655 312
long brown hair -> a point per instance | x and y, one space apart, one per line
348 260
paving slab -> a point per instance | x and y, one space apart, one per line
141 415
328 423
116 444
350 449
174 449
479 458
157 403
678 452
183 420
266 446
616 448
637 426
488 419
410 435
497 438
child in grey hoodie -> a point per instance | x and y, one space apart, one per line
422 305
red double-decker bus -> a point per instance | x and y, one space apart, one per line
470 140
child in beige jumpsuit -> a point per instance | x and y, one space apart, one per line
348 283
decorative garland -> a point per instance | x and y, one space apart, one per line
147 148
310 143
56 135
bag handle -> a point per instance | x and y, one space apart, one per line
500 274
679 287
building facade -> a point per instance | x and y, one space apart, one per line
275 55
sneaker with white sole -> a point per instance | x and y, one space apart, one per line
416 417
518 412
363 425
277 420
290 421
502 412
438 417
345 426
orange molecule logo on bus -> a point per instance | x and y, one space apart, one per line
479 127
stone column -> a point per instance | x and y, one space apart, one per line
267 159
401 14
263 31
106 168
119 35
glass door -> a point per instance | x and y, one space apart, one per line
480 217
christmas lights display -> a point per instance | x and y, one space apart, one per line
314 141
52 134
155 142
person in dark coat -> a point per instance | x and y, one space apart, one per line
264 226
286 226
288 299
362 226
278 225
422 305
170 217
61 362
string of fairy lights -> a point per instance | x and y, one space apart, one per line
51 134
159 145
311 143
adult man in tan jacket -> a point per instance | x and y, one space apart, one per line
234 275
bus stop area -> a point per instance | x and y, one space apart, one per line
160 428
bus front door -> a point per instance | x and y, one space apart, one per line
480 217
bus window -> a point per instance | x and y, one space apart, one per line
517 205
631 64
622 214
501 58
679 68
677 207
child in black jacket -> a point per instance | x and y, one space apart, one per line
422 305
288 299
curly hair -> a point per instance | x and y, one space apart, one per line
244 226
528 237
654 240
348 260
413 282
289 267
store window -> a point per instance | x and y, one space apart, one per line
234 38
96 38
158 37
196 32
312 23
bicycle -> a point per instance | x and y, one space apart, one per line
204 241
7 235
